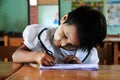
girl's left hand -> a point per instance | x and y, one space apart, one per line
71 59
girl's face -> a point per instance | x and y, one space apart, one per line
66 37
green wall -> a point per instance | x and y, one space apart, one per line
13 15
65 7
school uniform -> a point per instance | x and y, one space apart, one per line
32 36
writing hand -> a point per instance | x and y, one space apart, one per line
71 59
45 59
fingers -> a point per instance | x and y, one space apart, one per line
48 60
67 59
46 63
71 59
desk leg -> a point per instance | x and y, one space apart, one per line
116 52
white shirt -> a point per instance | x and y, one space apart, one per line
30 36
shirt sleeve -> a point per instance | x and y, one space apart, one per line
30 36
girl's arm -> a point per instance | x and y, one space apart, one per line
24 54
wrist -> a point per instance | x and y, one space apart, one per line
37 57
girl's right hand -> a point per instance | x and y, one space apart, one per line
45 59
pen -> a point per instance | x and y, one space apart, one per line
51 54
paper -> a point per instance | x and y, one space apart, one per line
70 67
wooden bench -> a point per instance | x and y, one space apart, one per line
12 41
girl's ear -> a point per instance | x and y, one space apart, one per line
63 19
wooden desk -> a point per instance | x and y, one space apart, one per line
115 42
8 68
105 72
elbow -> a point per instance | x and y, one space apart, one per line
14 57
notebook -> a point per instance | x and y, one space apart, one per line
70 67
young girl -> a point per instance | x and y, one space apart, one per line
73 42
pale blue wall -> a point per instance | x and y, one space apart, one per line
48 15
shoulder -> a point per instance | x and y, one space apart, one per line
49 32
31 31
31 35
94 50
32 28
92 57
46 33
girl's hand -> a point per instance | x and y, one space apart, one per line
71 59
45 59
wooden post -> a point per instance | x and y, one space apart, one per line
5 40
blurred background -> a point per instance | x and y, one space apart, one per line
15 15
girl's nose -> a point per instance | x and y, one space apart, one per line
63 42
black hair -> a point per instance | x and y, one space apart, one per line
91 26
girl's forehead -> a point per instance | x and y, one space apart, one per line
72 34
70 29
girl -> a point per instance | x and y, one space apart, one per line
73 42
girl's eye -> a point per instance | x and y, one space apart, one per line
66 37
69 47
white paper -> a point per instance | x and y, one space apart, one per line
71 67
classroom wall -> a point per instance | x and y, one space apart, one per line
13 15
65 5
48 15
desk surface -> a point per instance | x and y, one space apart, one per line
8 68
105 72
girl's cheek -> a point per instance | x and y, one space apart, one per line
57 37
